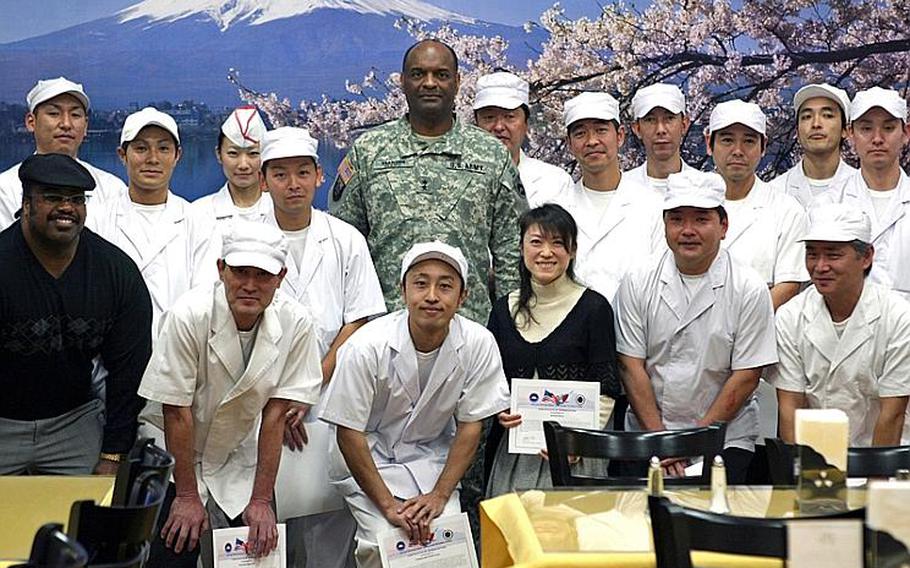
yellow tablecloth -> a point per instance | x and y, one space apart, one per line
27 502
609 527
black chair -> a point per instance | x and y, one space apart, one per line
638 447
678 530
114 535
144 463
882 461
137 561
51 548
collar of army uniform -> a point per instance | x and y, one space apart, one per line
449 143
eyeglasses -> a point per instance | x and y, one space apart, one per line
58 199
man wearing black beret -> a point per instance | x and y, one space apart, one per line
68 298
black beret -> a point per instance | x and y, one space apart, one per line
55 170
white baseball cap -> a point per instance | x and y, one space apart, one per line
662 95
149 116
692 188
888 99
288 142
46 89
736 111
244 127
435 250
600 106
259 245
839 223
822 90
502 90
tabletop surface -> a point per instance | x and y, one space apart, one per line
29 501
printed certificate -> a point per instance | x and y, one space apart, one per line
571 403
230 552
452 546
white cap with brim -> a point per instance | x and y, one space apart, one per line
692 188
887 99
736 111
501 90
259 245
244 127
435 250
663 95
288 142
839 96
839 223
149 116
597 106
47 89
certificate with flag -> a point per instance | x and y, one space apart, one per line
571 403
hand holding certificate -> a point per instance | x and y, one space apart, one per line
230 549
571 403
451 546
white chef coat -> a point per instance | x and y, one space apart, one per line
543 182
763 234
794 182
890 236
182 255
640 175
337 284
628 233
376 390
870 361
197 362
691 350
107 188
220 207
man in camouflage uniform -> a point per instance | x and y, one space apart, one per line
428 176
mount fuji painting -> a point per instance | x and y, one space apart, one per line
176 50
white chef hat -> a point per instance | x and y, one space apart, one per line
888 99
839 96
46 89
435 250
288 142
736 111
149 116
244 127
838 222
692 188
600 106
662 95
259 245
501 89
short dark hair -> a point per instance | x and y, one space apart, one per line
404 60
554 220
861 249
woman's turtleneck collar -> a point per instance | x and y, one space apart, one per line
555 291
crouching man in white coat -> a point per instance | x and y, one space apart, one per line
845 342
409 393
228 360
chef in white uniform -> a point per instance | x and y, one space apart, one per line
659 120
618 216
694 327
822 116
501 108
238 152
330 272
879 133
764 224
845 342
230 358
408 397
58 118
175 248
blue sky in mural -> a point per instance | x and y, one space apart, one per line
21 19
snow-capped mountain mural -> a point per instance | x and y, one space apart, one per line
182 49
